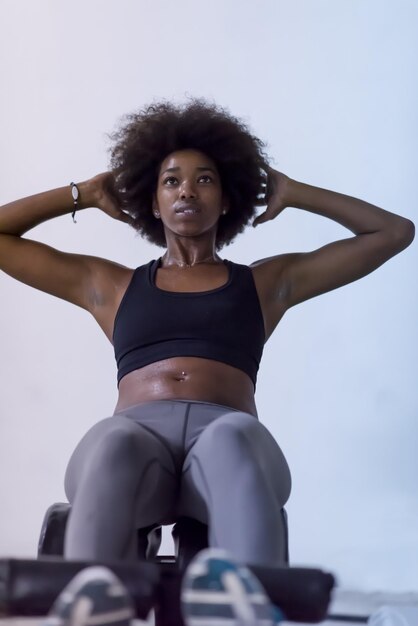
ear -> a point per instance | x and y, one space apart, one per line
225 205
155 210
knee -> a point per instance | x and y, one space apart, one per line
231 436
117 445
109 448
245 445
240 428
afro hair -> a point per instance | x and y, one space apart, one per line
147 137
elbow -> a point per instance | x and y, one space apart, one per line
409 232
404 233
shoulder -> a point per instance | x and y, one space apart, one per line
274 263
105 270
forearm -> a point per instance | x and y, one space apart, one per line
357 215
19 216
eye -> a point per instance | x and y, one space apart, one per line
209 178
169 178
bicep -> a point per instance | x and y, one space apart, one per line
64 275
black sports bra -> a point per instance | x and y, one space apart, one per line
224 324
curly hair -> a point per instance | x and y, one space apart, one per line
146 138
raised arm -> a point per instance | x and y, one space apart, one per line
72 277
379 235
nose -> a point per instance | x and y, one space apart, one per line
187 190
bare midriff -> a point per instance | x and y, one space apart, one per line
188 378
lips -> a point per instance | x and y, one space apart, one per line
187 209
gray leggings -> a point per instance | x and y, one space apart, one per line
156 461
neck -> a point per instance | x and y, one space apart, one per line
189 260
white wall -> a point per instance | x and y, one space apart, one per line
331 86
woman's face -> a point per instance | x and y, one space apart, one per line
189 198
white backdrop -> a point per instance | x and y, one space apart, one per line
331 86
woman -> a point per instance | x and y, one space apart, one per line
189 328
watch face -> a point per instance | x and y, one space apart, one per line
74 192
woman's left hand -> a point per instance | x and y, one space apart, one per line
275 190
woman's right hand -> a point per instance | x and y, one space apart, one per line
98 191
